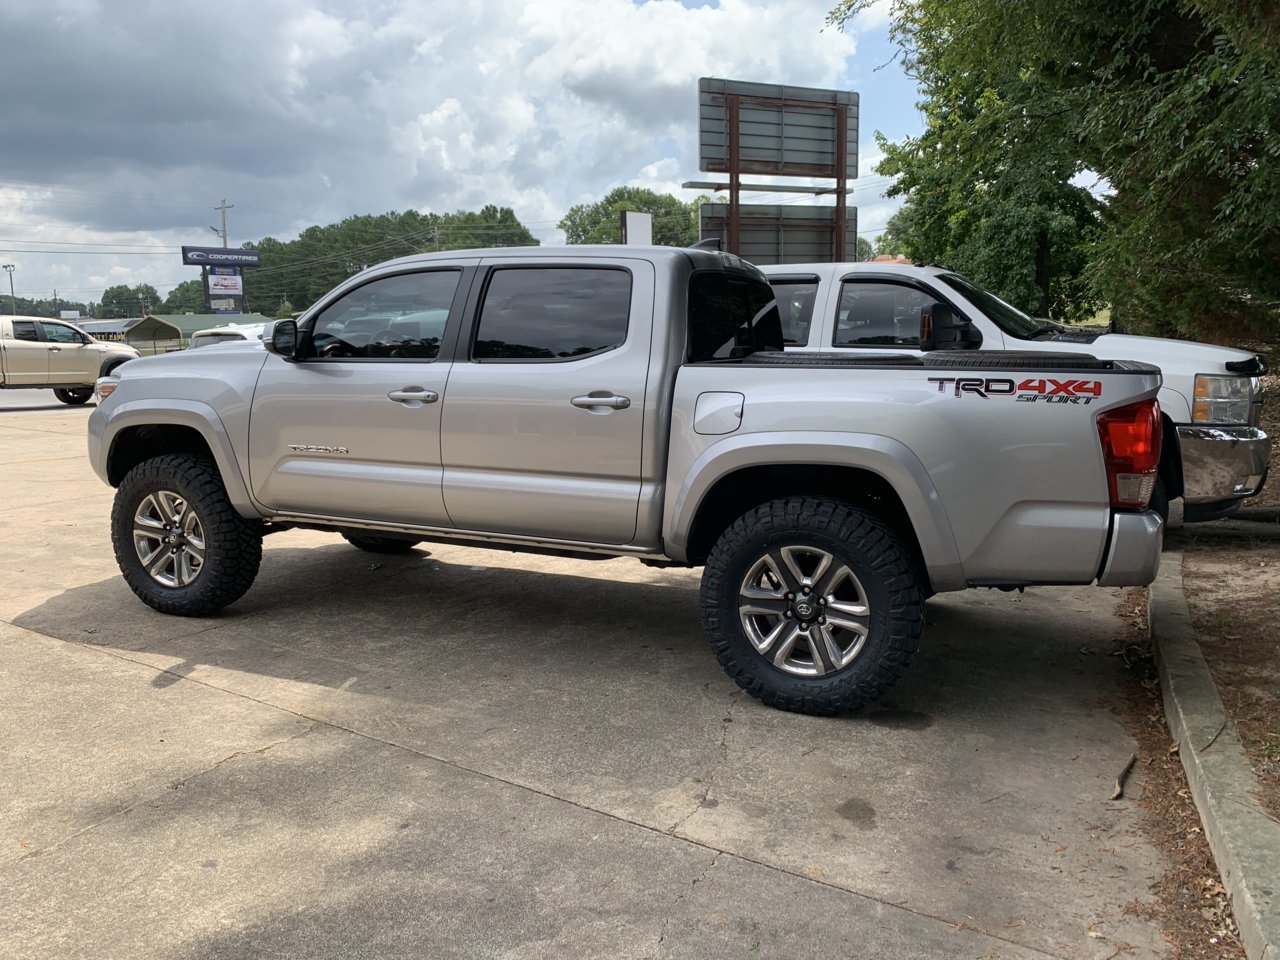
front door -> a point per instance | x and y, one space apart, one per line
72 357
545 408
352 430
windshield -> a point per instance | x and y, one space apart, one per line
1008 318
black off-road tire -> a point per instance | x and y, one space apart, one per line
379 544
1160 500
74 397
233 545
871 551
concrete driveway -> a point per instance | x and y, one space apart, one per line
472 753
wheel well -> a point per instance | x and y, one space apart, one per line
137 444
735 494
1170 469
111 364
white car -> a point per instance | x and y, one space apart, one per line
226 333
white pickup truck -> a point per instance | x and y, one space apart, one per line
636 401
1214 454
36 352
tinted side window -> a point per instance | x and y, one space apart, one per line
795 307
57 333
731 315
877 314
393 318
552 313
25 330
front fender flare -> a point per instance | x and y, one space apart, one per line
889 459
182 413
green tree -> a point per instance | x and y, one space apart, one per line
124 301
284 311
304 269
1171 104
675 223
188 296
865 251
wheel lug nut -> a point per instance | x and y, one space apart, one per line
791 596
786 614
806 591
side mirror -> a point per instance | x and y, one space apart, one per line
281 338
941 328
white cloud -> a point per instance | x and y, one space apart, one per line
301 111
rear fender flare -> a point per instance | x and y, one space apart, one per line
890 459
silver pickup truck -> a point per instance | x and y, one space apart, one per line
625 401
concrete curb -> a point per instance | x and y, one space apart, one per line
1245 841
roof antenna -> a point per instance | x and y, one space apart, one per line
711 243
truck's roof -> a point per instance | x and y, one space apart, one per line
585 251
863 266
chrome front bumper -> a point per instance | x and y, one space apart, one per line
1222 463
1133 555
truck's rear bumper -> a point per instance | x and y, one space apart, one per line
1222 463
1133 557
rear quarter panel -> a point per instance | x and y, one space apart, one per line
997 489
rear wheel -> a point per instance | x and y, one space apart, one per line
181 545
380 544
811 605
74 396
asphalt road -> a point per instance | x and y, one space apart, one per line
471 753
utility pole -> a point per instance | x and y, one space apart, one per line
55 301
13 302
224 207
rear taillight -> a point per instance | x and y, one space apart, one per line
1131 448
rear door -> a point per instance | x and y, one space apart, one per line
26 357
542 430
353 430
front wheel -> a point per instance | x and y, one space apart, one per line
811 605
181 545
75 396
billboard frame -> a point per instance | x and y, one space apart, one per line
733 94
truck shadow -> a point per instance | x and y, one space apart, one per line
482 627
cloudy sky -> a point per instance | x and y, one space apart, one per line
124 122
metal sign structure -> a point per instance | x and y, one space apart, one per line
784 131
221 273
781 234
220 257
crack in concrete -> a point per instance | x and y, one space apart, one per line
173 785
711 777
666 921
618 818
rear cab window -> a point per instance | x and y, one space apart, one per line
731 315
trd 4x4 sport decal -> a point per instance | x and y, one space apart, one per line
1028 391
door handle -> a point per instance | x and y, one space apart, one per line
413 395
55 349
599 398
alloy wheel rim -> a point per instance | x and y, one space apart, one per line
168 539
804 611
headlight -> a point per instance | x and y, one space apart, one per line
1222 399
104 387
